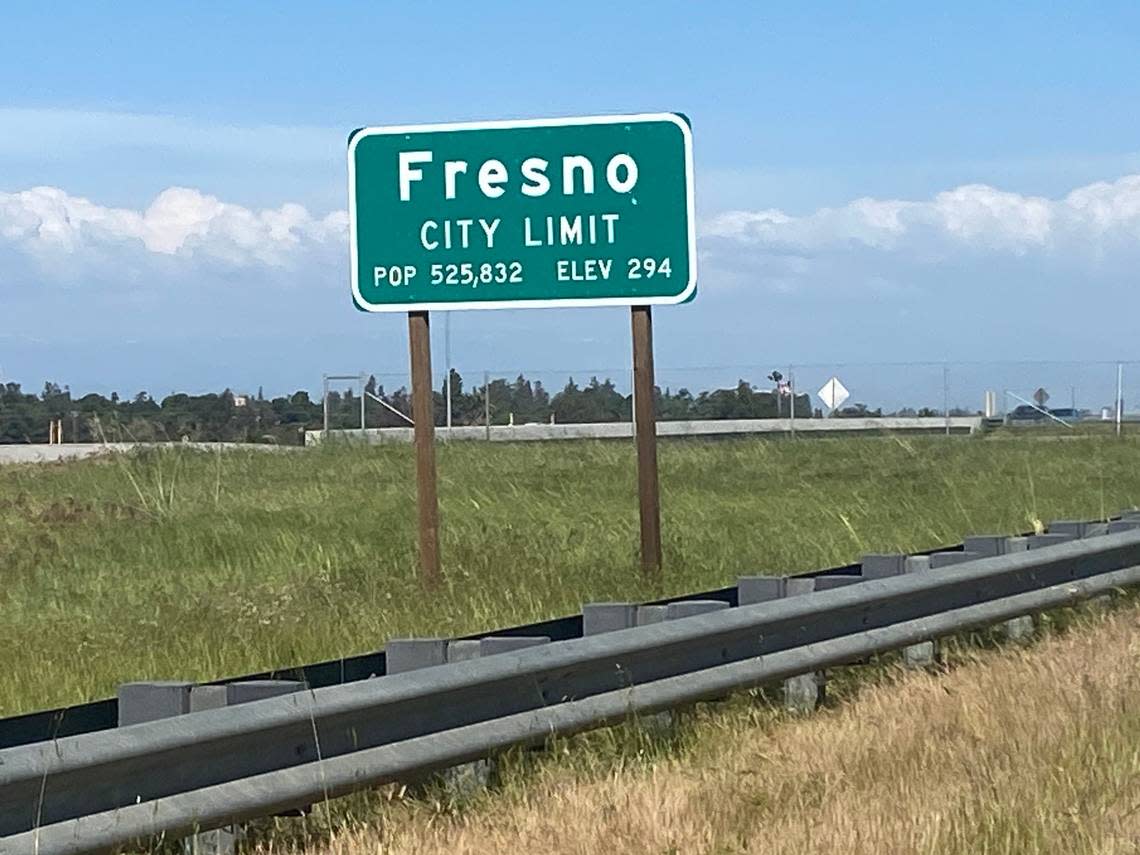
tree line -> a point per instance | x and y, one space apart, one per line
25 417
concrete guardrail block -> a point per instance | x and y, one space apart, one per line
917 563
689 608
1040 541
677 611
802 693
411 654
805 692
147 701
647 615
830 583
492 645
204 698
751 590
1123 525
938 560
1016 544
463 650
883 565
986 545
224 841
464 780
243 692
925 653
1019 629
797 587
1076 528
607 617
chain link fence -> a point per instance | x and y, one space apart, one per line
1015 392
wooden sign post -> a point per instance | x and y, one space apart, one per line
645 428
423 419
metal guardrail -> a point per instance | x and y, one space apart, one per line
92 716
43 725
180 775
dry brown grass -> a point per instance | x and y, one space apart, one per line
1016 751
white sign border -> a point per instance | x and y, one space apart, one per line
550 303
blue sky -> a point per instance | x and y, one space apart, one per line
908 182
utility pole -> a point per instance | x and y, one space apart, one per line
792 413
325 406
1119 397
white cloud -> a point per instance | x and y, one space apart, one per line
183 230
973 217
47 222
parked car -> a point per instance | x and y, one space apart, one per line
1068 414
1026 413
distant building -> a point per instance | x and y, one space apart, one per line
242 400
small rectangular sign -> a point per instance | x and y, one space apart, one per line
592 211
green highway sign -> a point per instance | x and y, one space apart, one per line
592 211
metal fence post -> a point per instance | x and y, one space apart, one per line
325 405
946 396
363 398
1119 397
487 402
792 412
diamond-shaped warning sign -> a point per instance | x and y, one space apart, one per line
833 394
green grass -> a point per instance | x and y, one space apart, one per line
195 565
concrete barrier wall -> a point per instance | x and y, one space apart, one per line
43 453
624 430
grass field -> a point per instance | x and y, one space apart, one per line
196 565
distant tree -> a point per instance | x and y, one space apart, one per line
25 416
597 402
857 411
675 406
